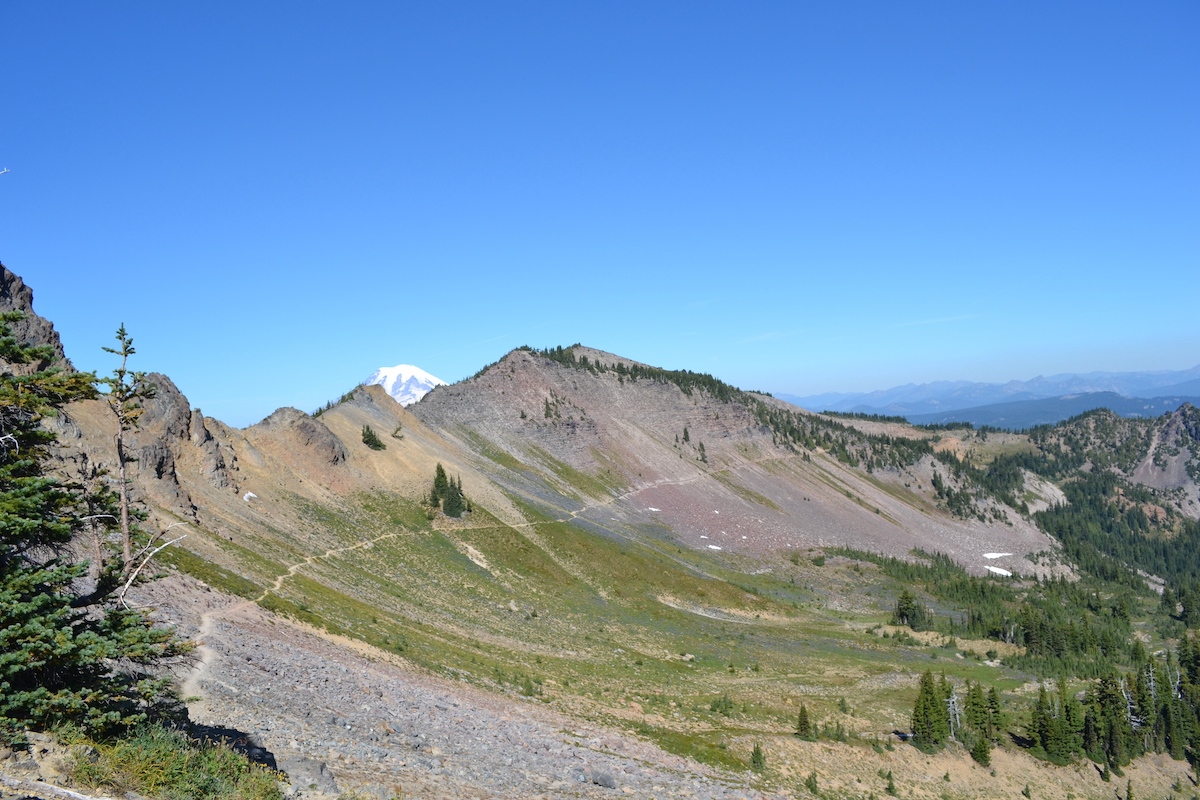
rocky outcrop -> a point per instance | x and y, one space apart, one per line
33 329
310 434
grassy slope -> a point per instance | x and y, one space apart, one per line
635 633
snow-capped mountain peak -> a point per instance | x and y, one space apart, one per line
406 383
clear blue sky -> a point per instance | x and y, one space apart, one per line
277 198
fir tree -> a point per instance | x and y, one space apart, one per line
371 439
804 728
440 482
930 718
758 761
981 751
61 644
126 391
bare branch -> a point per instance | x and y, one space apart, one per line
146 561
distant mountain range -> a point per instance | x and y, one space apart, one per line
1124 392
404 382
1027 413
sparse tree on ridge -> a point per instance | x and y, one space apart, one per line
126 391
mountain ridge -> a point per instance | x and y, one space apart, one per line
928 398
643 544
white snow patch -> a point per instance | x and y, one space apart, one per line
248 496
716 512
702 536
996 555
404 382
652 508
999 571
713 547
743 537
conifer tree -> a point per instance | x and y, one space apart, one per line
804 728
60 642
371 439
930 719
126 391
758 760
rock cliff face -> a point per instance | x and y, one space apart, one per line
33 329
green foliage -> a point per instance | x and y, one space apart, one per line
722 705
158 762
867 417
909 612
810 783
804 726
930 718
981 751
61 632
448 494
758 760
371 439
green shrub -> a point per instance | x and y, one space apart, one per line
371 439
158 762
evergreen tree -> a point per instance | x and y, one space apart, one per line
804 728
453 504
930 718
126 391
981 751
909 612
1168 603
371 439
61 642
758 761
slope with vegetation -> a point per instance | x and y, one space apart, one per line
658 552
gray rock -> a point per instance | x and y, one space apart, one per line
603 779
307 774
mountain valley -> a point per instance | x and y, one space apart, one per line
655 574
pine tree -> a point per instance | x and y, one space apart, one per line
758 761
371 439
981 751
60 647
453 504
909 612
804 727
1168 602
810 783
126 391
930 718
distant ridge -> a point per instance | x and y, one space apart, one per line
1047 411
942 396
404 382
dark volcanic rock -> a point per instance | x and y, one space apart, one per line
16 296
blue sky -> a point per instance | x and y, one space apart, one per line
277 198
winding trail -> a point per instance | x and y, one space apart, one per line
190 687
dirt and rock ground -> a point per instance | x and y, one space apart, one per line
385 729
